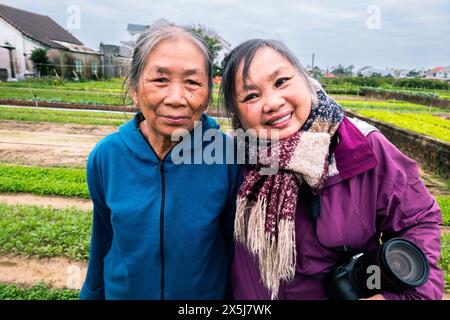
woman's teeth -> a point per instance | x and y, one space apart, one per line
281 119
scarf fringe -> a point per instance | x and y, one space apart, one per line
276 257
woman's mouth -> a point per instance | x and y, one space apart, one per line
279 122
175 119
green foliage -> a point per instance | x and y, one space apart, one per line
44 181
51 95
40 61
444 262
420 94
388 82
45 232
38 292
214 46
422 123
444 204
61 116
343 71
114 85
388 105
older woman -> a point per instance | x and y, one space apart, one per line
340 184
161 229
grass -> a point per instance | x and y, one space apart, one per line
45 232
426 124
38 292
37 115
68 182
61 116
444 204
390 105
62 96
444 263
110 86
70 93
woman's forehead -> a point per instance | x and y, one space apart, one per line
176 54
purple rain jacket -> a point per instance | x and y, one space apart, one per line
377 190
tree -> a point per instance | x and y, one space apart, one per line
214 46
343 71
413 73
40 61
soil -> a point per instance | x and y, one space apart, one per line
53 144
48 144
55 272
54 202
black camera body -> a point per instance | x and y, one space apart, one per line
399 265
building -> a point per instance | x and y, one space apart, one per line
135 30
23 31
439 73
369 71
116 60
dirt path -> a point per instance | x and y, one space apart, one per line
54 202
48 144
29 271
445 229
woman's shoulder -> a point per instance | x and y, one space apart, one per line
106 147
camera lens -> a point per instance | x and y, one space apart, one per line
405 262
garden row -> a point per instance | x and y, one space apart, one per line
45 232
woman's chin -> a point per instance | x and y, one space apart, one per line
277 134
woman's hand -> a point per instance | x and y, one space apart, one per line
375 297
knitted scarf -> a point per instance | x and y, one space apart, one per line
266 204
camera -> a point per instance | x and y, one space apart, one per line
395 266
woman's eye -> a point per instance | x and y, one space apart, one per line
192 83
161 80
251 96
280 82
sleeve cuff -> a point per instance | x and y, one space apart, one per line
87 294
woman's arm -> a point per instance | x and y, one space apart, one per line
406 209
93 287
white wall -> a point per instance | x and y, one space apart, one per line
22 45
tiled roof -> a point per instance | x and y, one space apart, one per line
38 27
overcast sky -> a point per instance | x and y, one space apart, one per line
381 33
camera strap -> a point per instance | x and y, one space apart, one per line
314 211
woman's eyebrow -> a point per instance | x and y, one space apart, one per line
165 70
277 72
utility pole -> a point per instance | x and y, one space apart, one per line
312 64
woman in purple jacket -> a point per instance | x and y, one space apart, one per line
360 188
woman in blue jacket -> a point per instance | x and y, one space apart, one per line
163 213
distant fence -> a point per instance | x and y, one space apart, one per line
432 154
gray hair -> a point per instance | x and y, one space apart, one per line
245 52
151 38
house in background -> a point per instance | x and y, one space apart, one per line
369 71
116 60
439 73
135 30
23 31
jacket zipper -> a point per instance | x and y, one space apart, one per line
161 226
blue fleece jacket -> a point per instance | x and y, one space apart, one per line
161 230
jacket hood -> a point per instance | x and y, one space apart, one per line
136 142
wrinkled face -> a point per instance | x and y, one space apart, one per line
173 88
275 99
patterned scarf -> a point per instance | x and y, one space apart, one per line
266 204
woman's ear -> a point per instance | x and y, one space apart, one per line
134 97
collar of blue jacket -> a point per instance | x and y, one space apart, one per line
135 140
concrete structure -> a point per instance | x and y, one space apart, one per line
23 31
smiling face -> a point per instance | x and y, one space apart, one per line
275 99
172 91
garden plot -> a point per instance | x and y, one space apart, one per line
48 144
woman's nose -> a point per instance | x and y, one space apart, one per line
273 103
175 95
